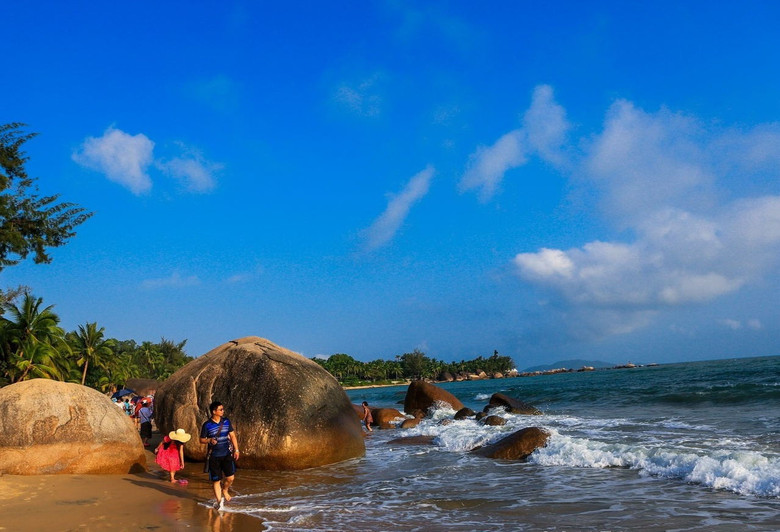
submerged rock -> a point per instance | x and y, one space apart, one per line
385 418
410 423
512 405
50 427
289 413
517 446
413 440
424 395
464 412
495 421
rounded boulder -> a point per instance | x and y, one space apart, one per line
512 405
50 427
287 411
517 446
424 395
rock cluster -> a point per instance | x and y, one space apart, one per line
422 396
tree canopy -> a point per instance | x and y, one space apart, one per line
32 344
29 223
414 365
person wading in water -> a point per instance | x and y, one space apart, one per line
218 433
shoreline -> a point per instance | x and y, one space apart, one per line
367 386
133 501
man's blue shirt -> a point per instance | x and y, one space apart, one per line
209 430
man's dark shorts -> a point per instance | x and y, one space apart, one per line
146 429
221 465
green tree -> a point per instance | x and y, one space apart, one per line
32 341
90 346
29 223
415 364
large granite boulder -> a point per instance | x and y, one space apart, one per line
386 418
512 405
517 446
289 413
424 395
51 427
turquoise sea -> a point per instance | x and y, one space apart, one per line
692 446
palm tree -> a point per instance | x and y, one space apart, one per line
90 345
30 340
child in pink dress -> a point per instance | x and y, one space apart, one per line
170 452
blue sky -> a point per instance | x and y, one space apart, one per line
552 180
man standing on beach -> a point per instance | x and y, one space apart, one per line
218 433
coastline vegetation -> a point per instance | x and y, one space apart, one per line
33 345
414 365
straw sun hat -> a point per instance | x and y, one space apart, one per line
179 435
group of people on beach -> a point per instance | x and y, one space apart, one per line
219 435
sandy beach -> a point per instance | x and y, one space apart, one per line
369 386
144 501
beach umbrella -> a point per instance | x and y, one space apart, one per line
121 393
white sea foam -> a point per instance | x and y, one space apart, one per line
746 473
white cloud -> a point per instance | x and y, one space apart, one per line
362 98
735 325
545 264
544 133
245 276
126 159
175 280
389 222
489 164
642 162
659 179
731 324
122 157
546 126
194 172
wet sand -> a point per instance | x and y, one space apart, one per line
144 501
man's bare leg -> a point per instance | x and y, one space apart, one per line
226 487
217 492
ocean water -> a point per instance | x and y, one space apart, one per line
693 446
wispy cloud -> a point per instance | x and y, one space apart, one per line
123 158
735 325
488 164
543 133
660 177
362 98
245 276
127 159
192 170
175 280
389 222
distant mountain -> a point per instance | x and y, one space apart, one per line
576 363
